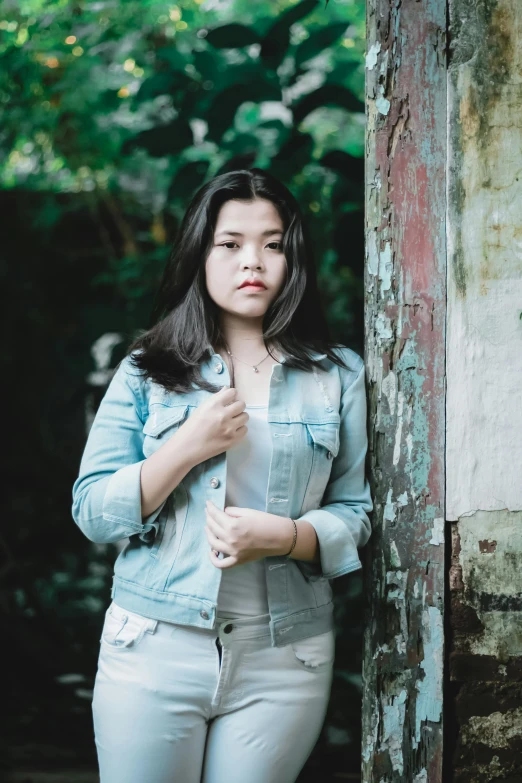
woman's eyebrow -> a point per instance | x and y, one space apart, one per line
266 233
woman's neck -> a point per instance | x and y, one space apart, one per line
250 349
244 338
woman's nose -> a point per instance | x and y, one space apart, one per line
251 259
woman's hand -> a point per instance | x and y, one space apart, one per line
215 426
245 534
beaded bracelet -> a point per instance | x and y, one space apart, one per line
294 541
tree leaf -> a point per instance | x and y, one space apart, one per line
327 95
163 83
277 38
232 36
188 179
238 162
208 63
318 41
243 144
342 72
163 140
295 153
221 113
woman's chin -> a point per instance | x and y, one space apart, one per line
247 310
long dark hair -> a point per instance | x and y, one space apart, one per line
186 323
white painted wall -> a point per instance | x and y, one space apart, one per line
484 327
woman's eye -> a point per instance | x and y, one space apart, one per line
225 244
279 246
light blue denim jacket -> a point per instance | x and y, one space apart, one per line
318 424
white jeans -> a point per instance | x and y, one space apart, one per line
180 704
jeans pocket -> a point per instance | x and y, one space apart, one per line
123 628
316 652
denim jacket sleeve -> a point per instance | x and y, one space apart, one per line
107 493
341 523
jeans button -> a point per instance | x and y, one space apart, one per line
214 482
218 367
329 455
228 628
204 614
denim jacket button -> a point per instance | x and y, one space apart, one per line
329 455
204 614
218 367
214 482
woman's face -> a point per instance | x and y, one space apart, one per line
247 245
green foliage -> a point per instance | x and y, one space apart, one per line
135 105
318 40
233 35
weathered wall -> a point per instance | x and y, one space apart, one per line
484 400
405 326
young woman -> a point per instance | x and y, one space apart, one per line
229 449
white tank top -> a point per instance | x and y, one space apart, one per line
243 588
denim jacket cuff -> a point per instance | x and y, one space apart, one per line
338 552
122 502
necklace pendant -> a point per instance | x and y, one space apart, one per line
255 369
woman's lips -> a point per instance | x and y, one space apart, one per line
252 288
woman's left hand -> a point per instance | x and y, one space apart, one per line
245 534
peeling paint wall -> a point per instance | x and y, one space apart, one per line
405 336
484 400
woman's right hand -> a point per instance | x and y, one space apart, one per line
215 426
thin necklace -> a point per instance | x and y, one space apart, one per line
254 366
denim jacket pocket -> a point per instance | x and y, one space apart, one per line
162 423
325 440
